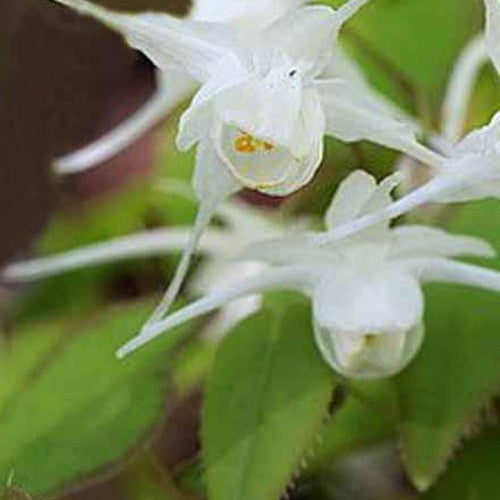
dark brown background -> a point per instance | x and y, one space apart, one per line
64 80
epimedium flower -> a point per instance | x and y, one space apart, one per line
264 103
174 84
365 290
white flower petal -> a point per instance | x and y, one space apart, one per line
483 141
212 184
266 107
459 92
259 164
173 88
342 67
360 195
493 31
420 241
289 250
351 196
287 278
147 244
299 174
439 186
369 356
352 115
276 157
212 181
353 300
310 127
167 41
241 12
476 190
306 35
198 120
443 270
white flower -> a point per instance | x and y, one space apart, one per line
280 82
366 290
174 85
264 104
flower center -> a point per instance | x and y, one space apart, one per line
247 144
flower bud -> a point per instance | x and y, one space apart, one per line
368 356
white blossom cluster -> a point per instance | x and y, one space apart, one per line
267 82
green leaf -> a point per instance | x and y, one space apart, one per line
266 399
367 416
474 474
146 478
78 409
443 392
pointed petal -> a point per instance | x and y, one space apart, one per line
360 195
289 277
212 184
429 192
360 302
420 241
212 181
147 244
167 41
289 250
197 118
443 270
173 88
306 35
353 115
493 31
342 67
483 141
239 12
351 196
460 87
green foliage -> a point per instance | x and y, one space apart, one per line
475 472
74 408
444 390
266 399
367 416
146 479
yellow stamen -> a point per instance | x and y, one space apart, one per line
246 143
